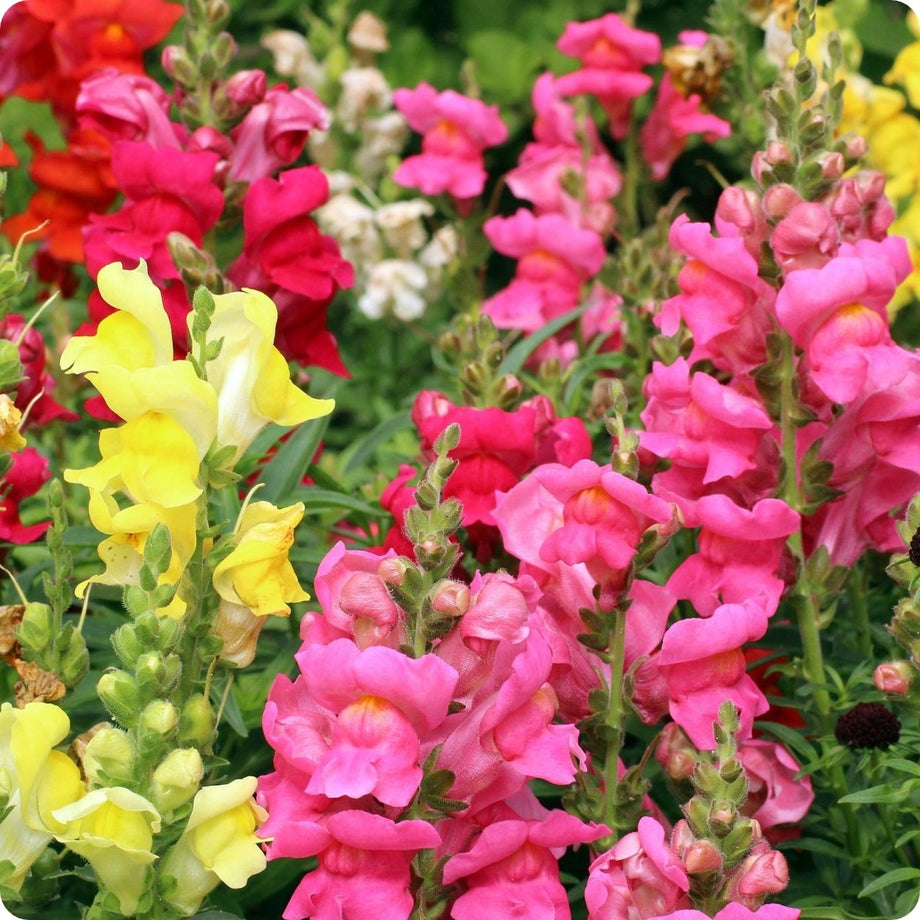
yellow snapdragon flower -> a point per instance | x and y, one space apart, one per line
113 828
257 573
219 844
10 420
37 780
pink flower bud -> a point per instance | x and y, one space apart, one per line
778 200
856 147
246 88
392 571
451 598
894 677
702 856
832 165
675 753
778 152
762 873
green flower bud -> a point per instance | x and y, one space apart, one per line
10 365
159 717
74 660
37 631
737 842
197 722
109 758
156 674
129 644
119 694
177 778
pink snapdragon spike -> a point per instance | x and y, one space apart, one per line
723 302
287 257
512 869
28 473
738 548
836 313
557 152
672 120
612 56
640 877
702 662
274 131
128 107
776 799
555 257
363 868
456 130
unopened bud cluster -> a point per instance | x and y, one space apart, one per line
478 353
726 856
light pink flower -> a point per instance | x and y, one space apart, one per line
612 56
723 301
737 912
456 130
739 554
775 796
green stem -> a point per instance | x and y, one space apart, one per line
857 588
614 718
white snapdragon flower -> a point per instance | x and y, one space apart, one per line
394 286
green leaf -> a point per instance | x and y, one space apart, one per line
284 471
883 794
367 446
904 874
792 740
902 765
522 350
317 500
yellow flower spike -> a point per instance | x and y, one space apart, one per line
152 458
137 335
258 574
894 146
128 529
219 844
39 780
251 377
113 828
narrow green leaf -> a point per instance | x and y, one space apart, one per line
523 349
284 471
367 446
884 794
904 874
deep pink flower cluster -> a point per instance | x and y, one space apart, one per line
174 181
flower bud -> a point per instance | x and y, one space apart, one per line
109 758
779 199
760 874
676 753
894 677
158 717
368 34
393 571
737 843
156 673
73 664
701 857
119 694
450 597
177 778
246 87
37 631
128 645
197 722
178 65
